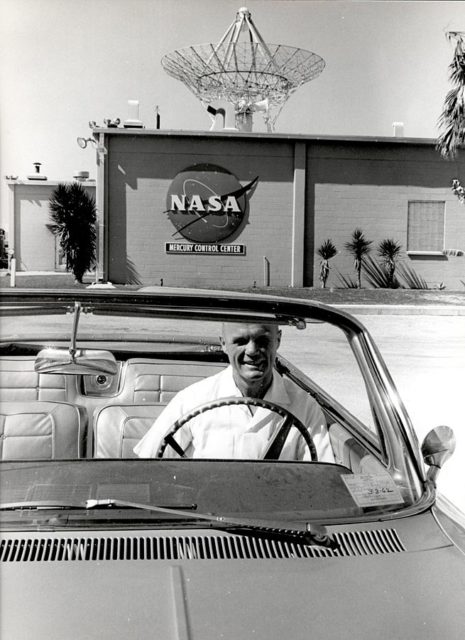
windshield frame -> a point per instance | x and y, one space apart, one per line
399 446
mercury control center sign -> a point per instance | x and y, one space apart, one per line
206 249
207 205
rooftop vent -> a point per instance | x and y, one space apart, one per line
398 128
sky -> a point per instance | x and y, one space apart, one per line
66 62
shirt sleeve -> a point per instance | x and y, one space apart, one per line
148 446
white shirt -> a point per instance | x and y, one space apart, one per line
238 431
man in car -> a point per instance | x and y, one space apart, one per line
241 431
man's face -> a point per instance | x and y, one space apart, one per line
251 349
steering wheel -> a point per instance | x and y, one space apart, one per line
274 448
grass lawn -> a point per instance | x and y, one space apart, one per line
371 296
329 296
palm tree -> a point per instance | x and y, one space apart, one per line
452 118
74 214
359 247
326 251
389 251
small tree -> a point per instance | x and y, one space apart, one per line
74 214
326 251
359 247
389 251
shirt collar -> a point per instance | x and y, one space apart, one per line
276 392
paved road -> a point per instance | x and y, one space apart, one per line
426 357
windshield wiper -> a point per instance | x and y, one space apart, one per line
89 504
303 534
38 504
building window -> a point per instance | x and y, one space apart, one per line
425 227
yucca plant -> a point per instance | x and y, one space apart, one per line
411 278
376 274
346 281
389 251
73 214
326 251
359 247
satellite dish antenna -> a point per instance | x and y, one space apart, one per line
244 70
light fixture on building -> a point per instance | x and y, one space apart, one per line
83 142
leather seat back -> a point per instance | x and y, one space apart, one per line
153 381
41 431
20 383
118 428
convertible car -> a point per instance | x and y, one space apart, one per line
96 542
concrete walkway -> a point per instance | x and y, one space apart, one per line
425 355
403 309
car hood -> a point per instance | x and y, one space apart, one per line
399 595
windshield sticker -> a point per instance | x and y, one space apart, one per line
370 490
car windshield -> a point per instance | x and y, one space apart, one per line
83 382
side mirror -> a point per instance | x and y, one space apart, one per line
437 447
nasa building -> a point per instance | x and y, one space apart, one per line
238 209
232 208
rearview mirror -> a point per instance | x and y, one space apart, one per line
74 361
79 361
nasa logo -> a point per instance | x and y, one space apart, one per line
206 203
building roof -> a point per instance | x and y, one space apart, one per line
262 136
